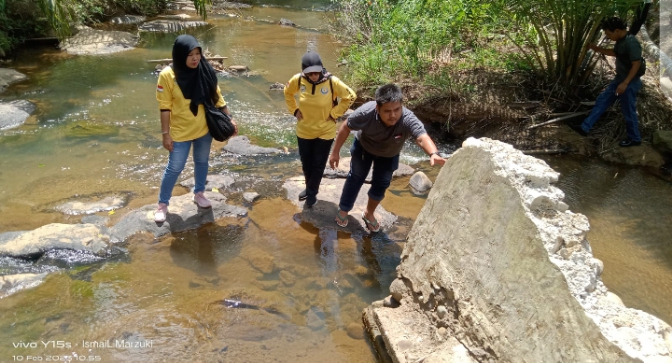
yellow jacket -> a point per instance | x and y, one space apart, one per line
184 126
316 105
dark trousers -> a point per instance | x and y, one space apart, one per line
314 154
360 165
628 106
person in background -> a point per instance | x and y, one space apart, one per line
181 91
323 98
630 67
382 128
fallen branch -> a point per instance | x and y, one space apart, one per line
561 114
572 115
524 105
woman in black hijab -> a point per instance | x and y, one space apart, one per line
182 90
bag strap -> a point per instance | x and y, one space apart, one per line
331 86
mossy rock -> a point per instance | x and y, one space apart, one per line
88 129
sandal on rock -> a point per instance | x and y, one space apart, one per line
341 221
372 226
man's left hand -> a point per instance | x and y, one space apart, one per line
621 88
435 159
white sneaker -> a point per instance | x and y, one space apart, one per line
201 200
161 212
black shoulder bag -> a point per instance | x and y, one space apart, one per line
219 123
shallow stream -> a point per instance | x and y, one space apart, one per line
96 134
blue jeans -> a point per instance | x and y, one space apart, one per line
628 107
178 158
360 164
314 154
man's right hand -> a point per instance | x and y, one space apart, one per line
168 142
299 115
334 158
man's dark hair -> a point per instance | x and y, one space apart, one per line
613 23
388 93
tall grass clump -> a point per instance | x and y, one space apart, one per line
392 39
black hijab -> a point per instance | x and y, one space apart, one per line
197 84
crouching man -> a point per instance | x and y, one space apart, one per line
382 128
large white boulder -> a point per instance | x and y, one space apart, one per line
496 261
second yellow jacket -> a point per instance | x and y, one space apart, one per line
316 105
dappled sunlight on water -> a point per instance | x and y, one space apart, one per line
306 286
95 134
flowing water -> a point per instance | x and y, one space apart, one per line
194 296
96 133
630 214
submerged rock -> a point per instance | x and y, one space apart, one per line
355 331
128 19
90 129
286 22
96 42
237 69
315 318
250 196
324 212
79 237
15 113
170 26
420 182
241 145
216 181
483 261
183 214
259 260
277 86
10 284
17 265
64 258
176 16
643 155
30 255
79 207
662 141
9 76
225 4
